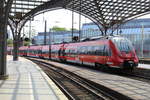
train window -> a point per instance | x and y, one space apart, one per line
89 50
47 52
56 51
107 51
39 51
79 51
52 51
92 50
69 51
66 51
75 52
99 50
83 50
123 44
102 52
31 51
95 50
72 53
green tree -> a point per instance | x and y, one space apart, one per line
56 28
26 41
73 29
9 42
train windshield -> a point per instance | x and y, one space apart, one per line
123 44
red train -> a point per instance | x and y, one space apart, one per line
9 50
112 51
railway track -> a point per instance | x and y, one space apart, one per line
144 61
76 87
139 74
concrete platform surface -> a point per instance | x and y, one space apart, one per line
144 66
28 82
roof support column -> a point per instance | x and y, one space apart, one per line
4 11
16 27
16 30
16 43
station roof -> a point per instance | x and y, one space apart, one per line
25 6
104 12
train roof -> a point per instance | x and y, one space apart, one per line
23 48
45 47
100 37
34 47
92 39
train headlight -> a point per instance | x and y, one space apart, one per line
109 63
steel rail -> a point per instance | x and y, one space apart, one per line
91 86
74 80
138 75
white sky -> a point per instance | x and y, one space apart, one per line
61 18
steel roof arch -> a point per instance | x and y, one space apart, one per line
106 13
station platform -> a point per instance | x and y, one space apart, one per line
28 82
144 66
134 89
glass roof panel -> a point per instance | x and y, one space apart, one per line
105 12
24 6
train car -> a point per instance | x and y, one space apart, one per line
114 51
56 51
123 53
23 51
9 50
34 51
45 51
90 53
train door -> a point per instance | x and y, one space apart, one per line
40 51
61 53
78 57
106 53
83 54
90 56
99 53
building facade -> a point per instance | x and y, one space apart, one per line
55 37
138 31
